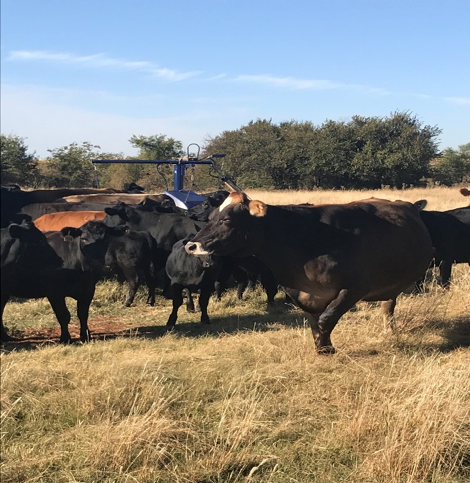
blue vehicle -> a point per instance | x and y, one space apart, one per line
184 199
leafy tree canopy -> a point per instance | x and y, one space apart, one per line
453 166
17 166
362 153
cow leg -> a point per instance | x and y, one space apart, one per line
252 279
189 300
63 316
204 298
445 270
4 337
133 279
151 284
241 277
220 285
83 309
218 290
167 290
388 309
329 318
270 286
177 296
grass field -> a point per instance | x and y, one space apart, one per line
245 399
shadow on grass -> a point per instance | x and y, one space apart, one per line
280 315
455 334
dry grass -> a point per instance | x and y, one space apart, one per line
246 399
439 198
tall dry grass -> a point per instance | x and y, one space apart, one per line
246 399
439 198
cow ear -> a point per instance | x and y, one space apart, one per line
70 231
15 231
421 204
257 208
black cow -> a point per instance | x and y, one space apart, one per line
196 274
327 257
247 271
94 246
31 269
132 188
450 235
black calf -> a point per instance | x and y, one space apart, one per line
31 269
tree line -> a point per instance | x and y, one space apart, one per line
362 153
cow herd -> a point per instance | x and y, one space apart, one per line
326 258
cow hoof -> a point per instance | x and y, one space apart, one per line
326 350
85 338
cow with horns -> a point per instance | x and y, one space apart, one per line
326 257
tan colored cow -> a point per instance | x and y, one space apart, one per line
75 219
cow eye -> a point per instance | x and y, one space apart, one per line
224 221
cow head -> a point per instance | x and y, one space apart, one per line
93 237
235 228
121 214
28 247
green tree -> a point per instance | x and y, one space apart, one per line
253 153
70 166
17 166
158 146
395 151
453 166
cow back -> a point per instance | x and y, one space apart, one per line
57 221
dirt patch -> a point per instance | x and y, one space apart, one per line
100 327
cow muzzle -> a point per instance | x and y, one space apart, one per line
195 248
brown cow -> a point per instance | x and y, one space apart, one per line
465 192
326 257
112 199
74 219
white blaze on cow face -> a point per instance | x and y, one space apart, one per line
232 198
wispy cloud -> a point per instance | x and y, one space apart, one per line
99 61
289 82
295 83
459 100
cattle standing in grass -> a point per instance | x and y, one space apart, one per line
32 269
450 235
327 257
95 246
194 274
75 219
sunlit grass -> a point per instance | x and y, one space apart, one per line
244 399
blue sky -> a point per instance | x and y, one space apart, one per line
103 70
